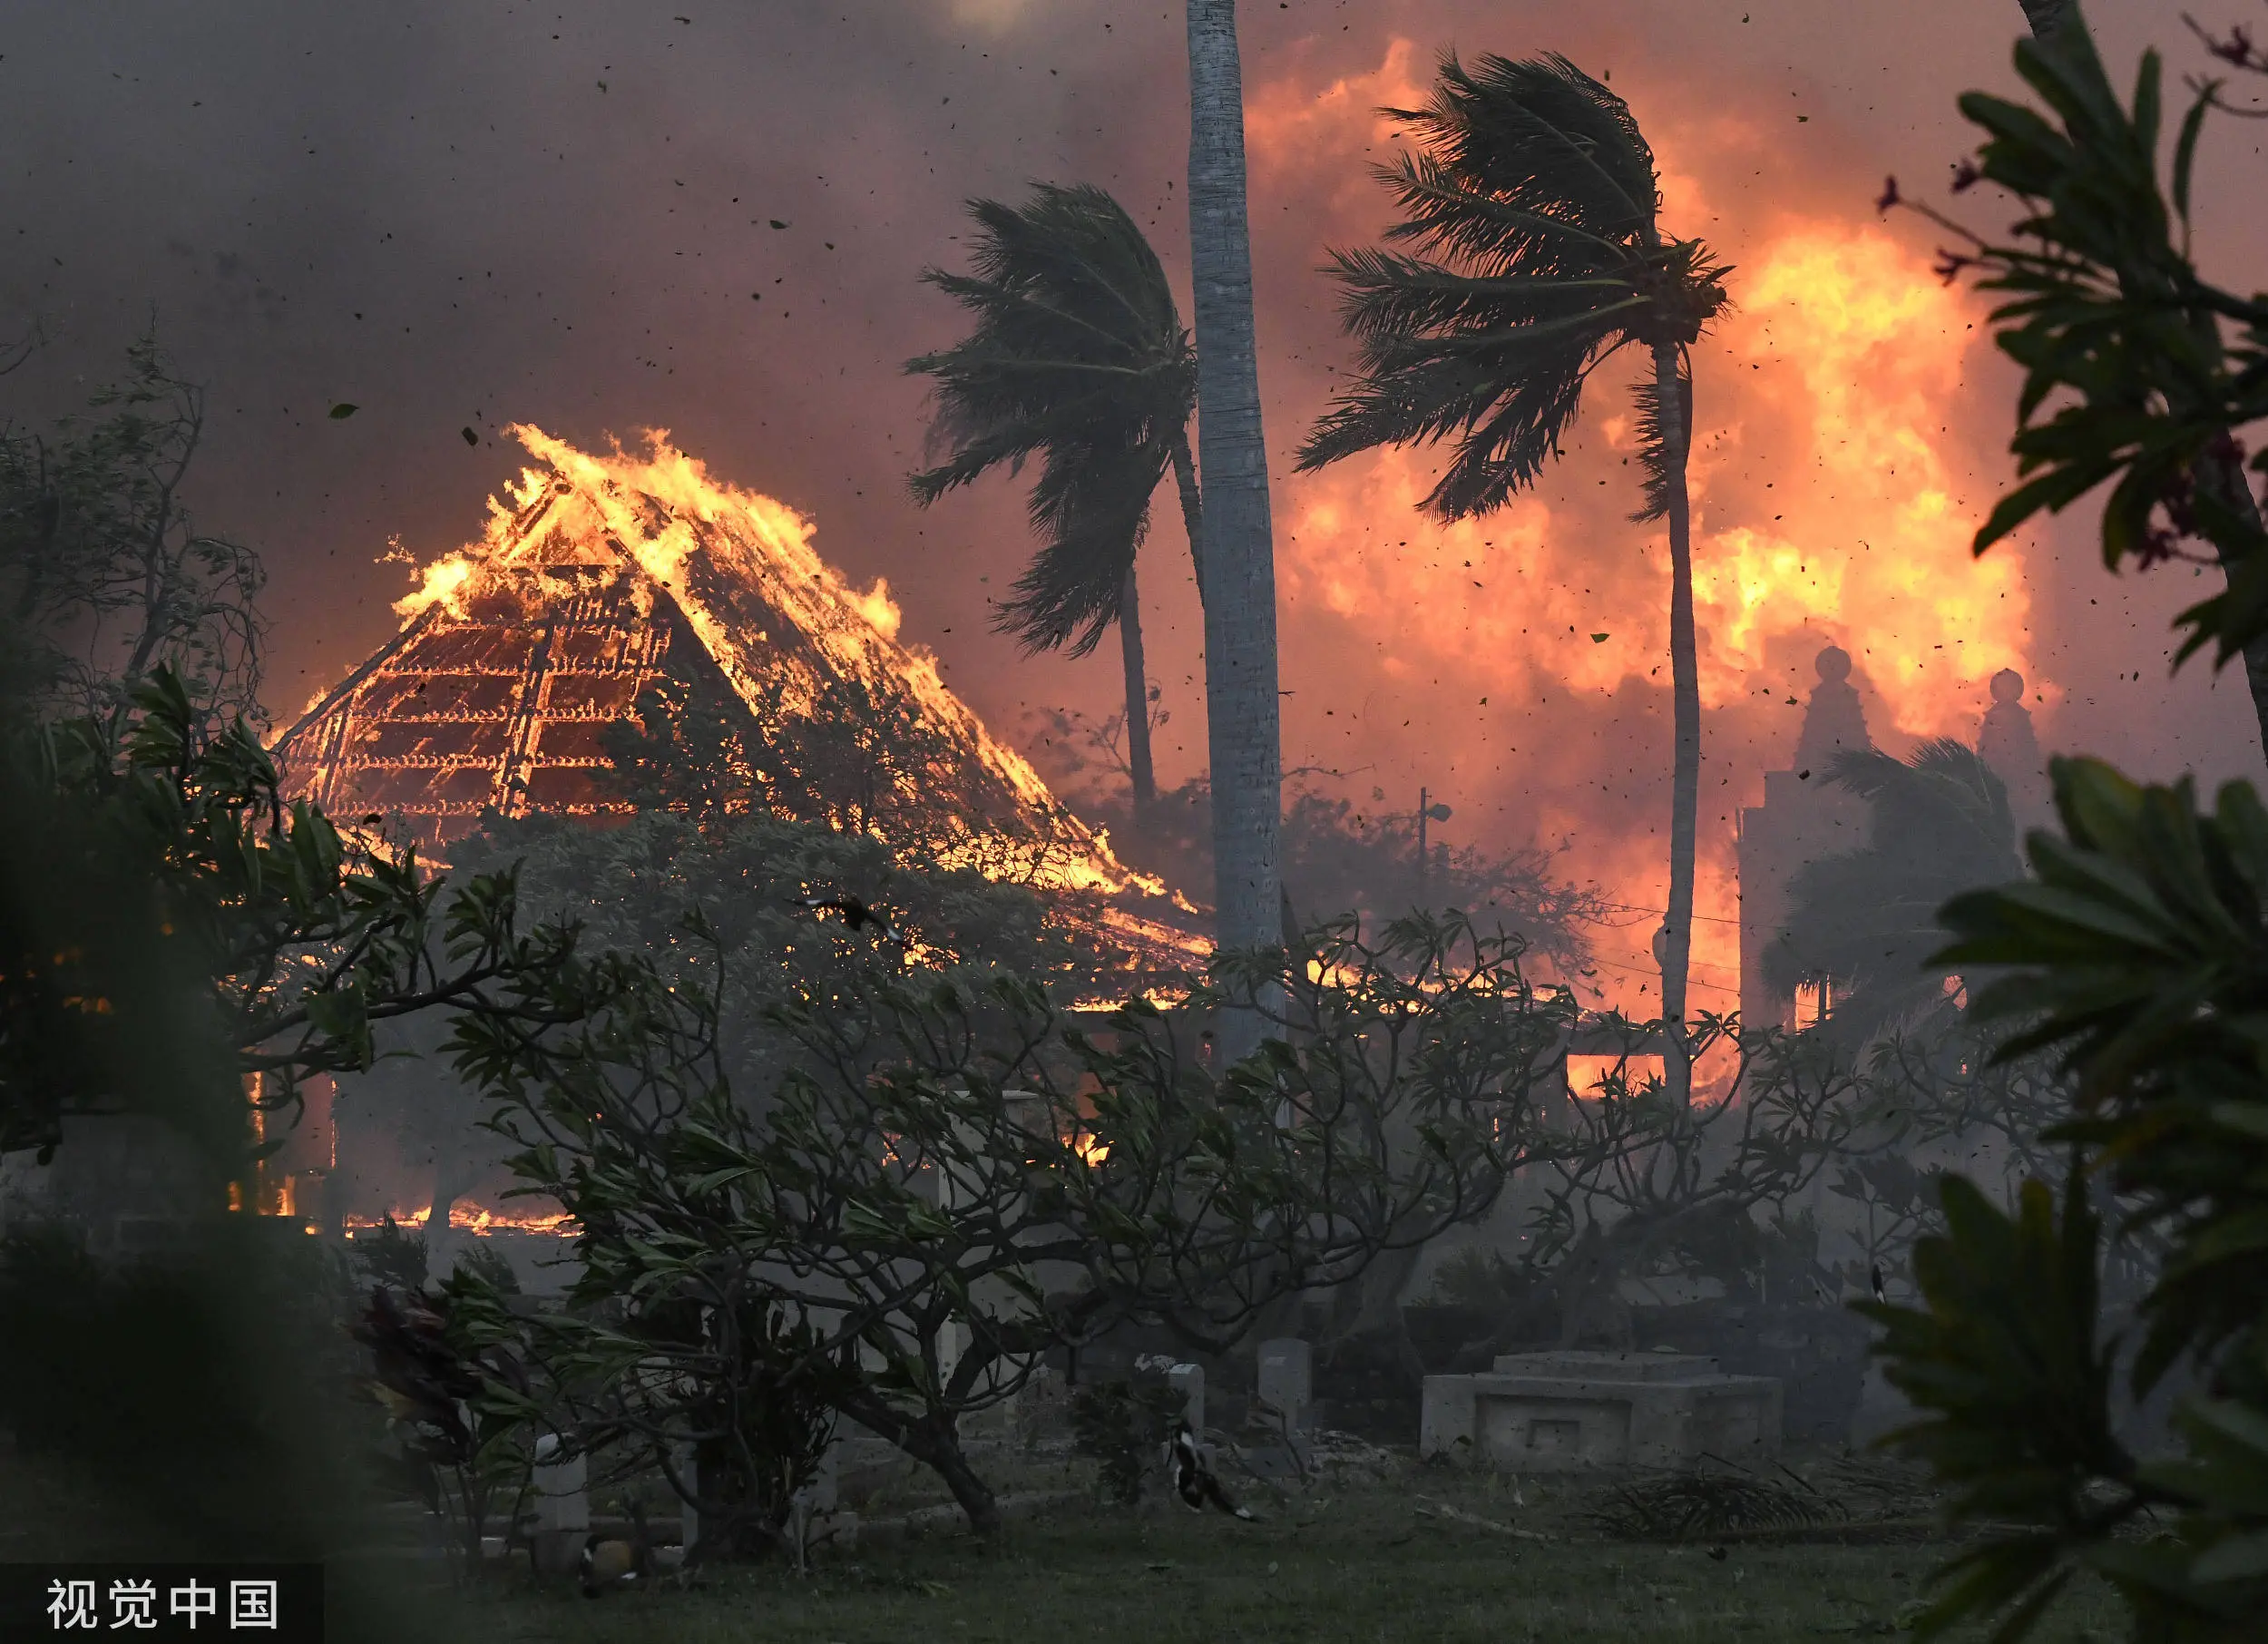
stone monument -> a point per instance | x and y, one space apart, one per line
1803 817
563 1507
1568 1412
2007 742
1188 1381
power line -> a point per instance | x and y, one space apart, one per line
1691 965
1632 907
1715 987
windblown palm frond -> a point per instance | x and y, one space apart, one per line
1539 136
1866 921
1093 513
1531 203
1530 251
1655 452
1078 358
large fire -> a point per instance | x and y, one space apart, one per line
1526 653
709 545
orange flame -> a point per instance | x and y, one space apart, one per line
465 1218
442 583
1523 657
1587 1076
608 505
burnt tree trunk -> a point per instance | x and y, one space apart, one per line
1368 1308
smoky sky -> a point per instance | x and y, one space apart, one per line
471 214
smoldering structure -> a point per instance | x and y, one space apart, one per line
607 589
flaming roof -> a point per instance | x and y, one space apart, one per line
598 576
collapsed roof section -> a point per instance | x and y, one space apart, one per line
599 577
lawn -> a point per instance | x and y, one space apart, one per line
1359 1559
1370 1561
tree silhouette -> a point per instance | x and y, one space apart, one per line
1864 924
1078 357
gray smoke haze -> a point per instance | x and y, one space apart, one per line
474 214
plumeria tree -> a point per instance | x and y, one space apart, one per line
944 1179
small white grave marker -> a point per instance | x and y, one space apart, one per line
1287 1377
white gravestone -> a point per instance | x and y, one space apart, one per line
1287 1377
563 1507
1188 1381
686 1463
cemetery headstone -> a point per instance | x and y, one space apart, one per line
1287 1377
1042 1411
685 1463
1188 1381
563 1507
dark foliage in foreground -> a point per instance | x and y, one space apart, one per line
168 926
947 1179
2138 954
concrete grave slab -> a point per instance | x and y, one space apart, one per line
1577 1411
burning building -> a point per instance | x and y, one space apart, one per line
609 588
601 578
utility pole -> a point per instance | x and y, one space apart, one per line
1438 813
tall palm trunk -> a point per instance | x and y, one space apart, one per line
2220 473
1239 573
1138 766
1675 389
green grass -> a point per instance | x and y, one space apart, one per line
1355 1565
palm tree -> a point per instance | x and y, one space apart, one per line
1240 666
1532 205
1863 925
1078 356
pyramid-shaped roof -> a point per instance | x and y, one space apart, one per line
598 576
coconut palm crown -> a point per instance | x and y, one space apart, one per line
1078 358
1532 206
